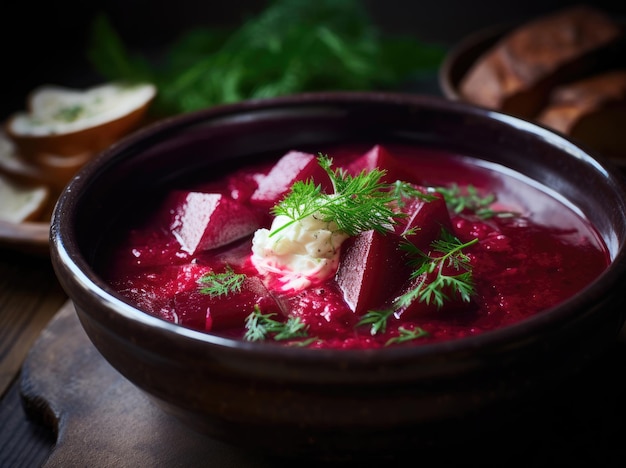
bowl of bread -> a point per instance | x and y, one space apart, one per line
565 70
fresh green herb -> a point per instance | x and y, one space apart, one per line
410 232
404 190
303 343
70 114
450 250
377 319
405 334
359 203
471 200
110 57
260 327
291 46
221 284
450 254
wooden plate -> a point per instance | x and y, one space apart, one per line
29 237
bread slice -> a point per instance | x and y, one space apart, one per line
20 203
591 111
70 122
43 169
516 74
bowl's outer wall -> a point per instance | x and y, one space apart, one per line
319 399
226 395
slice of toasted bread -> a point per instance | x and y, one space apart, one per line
591 111
44 169
516 74
19 203
68 122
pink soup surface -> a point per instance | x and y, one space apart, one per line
521 265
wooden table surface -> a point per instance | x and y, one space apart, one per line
29 297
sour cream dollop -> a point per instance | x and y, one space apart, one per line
304 253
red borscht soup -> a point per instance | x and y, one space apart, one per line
353 247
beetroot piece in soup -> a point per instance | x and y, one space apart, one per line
292 167
372 269
206 221
378 157
450 248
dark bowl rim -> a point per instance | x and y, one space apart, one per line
67 259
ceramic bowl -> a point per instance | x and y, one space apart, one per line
334 404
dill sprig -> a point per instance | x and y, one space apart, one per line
221 284
471 200
377 319
450 250
359 203
295 45
403 190
260 327
406 334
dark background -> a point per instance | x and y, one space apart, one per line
45 42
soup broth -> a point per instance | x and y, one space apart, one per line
465 247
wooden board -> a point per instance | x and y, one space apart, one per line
102 420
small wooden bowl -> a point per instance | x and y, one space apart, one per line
462 56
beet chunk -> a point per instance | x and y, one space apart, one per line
205 312
322 309
292 167
153 289
426 218
378 158
204 221
371 270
